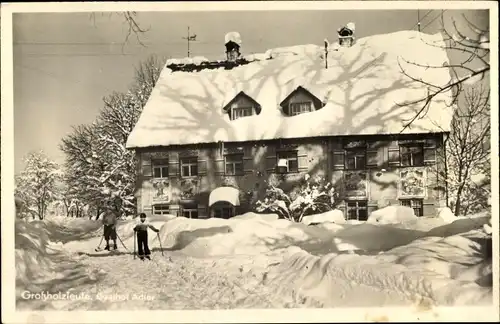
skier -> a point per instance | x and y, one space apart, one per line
142 237
109 221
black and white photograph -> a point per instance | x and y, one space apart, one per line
250 156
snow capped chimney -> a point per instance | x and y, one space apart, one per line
346 35
233 42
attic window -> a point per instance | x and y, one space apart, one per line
300 101
242 105
297 108
239 112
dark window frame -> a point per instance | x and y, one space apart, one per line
357 206
285 155
235 110
233 163
417 204
163 209
188 208
300 105
408 158
357 154
160 165
190 162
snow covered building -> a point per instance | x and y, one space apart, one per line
213 134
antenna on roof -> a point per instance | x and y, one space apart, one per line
189 38
327 44
418 20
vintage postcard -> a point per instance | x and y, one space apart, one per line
188 162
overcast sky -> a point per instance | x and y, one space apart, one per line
65 63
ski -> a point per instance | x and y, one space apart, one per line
102 249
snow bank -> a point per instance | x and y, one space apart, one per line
334 216
42 265
246 234
421 260
443 266
461 225
392 215
446 215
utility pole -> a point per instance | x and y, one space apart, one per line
189 38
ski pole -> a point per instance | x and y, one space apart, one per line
99 246
122 242
134 245
158 235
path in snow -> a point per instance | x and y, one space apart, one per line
177 281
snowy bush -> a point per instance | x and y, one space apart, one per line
313 196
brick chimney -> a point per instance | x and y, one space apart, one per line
346 35
232 42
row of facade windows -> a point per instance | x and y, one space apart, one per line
294 108
355 159
358 209
355 209
191 211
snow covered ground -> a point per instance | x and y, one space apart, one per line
256 261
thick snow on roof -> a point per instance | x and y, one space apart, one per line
361 89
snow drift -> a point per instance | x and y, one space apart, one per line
42 265
418 260
438 263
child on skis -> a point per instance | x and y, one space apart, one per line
109 221
142 237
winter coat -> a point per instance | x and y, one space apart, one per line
109 218
143 227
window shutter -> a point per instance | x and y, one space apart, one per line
371 158
338 154
373 154
248 164
338 159
219 166
202 166
393 156
173 165
146 166
271 158
270 163
302 160
430 151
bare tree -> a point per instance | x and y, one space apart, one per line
468 150
473 45
133 26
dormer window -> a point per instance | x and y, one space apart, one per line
242 106
297 108
300 101
239 112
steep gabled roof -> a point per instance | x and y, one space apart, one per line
257 106
362 90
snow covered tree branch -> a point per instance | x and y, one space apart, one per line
36 185
472 67
99 166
